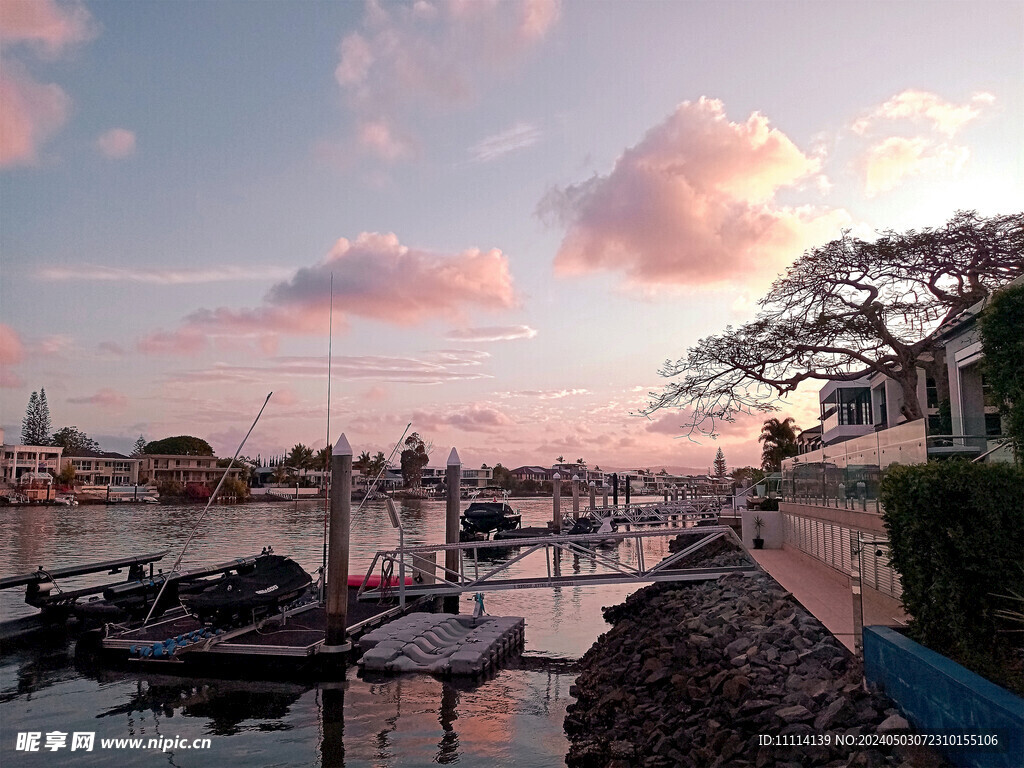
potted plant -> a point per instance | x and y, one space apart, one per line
758 541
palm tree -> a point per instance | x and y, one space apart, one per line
779 442
363 461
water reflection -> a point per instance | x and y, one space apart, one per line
513 717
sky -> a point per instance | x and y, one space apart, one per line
522 208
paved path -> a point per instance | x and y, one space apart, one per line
826 598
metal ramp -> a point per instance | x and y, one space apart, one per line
657 512
610 558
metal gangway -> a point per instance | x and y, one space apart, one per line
623 557
653 513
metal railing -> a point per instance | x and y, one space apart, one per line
615 558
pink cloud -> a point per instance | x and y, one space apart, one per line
9 379
111 348
117 143
693 203
182 342
924 107
888 163
375 394
492 333
430 54
911 135
45 24
375 277
30 113
12 351
105 398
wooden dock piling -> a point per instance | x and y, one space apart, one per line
337 558
453 478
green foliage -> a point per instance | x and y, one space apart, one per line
769 505
720 466
140 446
67 475
414 458
1003 340
182 445
956 533
234 487
170 488
502 477
35 427
779 442
300 457
746 476
74 441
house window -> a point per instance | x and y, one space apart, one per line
993 425
931 392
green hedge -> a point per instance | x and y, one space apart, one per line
956 532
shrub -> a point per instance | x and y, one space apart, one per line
769 505
956 533
235 487
170 488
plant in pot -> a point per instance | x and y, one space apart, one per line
758 541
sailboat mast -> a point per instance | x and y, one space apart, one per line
327 458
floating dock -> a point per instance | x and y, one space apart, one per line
442 644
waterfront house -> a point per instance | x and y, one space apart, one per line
184 469
17 460
103 468
535 473
830 491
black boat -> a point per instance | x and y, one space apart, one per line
485 517
250 592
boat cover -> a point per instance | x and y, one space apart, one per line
273 580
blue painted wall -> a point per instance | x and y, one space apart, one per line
938 695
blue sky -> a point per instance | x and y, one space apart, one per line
564 195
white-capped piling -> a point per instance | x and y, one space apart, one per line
593 494
453 478
337 556
575 497
556 503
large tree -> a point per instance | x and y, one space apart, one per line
721 468
74 442
1002 336
848 309
413 459
182 445
778 442
35 427
140 447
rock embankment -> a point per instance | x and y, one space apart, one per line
697 675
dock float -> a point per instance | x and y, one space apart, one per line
442 644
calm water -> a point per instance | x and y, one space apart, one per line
514 718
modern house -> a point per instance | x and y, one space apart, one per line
103 468
830 492
18 460
184 469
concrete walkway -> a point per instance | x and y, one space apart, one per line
827 598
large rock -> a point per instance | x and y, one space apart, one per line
693 675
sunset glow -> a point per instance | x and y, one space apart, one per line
525 207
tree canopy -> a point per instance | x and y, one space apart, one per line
721 469
35 427
845 310
74 441
140 446
182 445
413 459
778 439
1002 337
